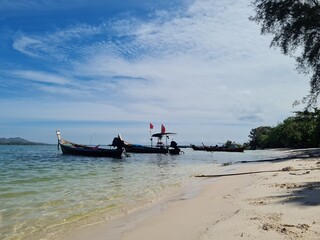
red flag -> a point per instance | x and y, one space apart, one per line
163 129
151 126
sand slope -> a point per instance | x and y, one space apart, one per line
268 205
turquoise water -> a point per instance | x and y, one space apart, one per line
44 193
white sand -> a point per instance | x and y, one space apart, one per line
269 205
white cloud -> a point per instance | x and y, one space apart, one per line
61 45
42 77
206 65
26 45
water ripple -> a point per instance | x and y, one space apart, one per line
43 191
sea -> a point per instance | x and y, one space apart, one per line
45 194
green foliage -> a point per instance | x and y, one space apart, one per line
299 131
259 137
231 144
295 25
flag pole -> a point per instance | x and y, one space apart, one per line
150 127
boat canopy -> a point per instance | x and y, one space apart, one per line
160 135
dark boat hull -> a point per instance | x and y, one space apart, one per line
222 149
144 149
198 148
174 151
216 149
90 151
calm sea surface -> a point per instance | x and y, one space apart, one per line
44 193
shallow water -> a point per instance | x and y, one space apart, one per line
44 193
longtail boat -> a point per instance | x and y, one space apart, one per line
160 147
197 148
217 148
223 149
70 148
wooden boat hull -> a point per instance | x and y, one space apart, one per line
198 148
222 149
90 151
216 149
144 149
174 151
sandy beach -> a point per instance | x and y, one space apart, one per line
282 201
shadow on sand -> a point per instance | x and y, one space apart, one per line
306 194
292 154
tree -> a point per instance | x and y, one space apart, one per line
295 25
259 137
311 121
299 131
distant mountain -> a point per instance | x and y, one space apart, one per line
17 141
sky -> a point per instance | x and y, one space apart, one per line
93 69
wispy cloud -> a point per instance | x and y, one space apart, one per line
26 45
60 45
202 64
42 77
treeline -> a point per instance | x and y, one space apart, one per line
299 131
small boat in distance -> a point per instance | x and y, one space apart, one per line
136 148
197 148
70 148
217 148
173 149
160 147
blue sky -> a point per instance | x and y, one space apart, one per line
94 69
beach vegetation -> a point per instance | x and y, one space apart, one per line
232 144
295 26
299 131
259 137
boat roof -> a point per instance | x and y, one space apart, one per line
161 134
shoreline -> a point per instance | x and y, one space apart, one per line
254 206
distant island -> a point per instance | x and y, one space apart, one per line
17 141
